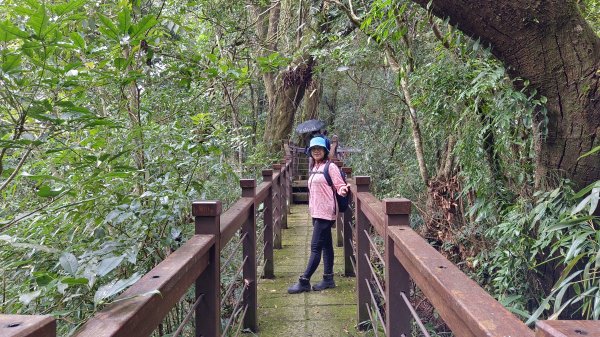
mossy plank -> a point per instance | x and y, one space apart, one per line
327 313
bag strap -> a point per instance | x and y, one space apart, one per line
326 174
330 183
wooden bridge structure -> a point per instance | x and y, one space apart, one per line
372 232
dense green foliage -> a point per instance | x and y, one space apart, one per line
86 88
115 115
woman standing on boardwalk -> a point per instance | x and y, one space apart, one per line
322 208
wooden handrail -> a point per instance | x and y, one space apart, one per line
233 218
27 325
373 210
465 307
141 308
567 328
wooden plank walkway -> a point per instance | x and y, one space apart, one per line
331 312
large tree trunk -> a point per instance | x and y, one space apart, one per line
549 44
287 89
289 93
267 27
314 91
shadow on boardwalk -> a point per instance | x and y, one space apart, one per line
328 313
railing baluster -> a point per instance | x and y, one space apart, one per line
362 245
277 207
338 219
397 280
347 230
207 215
268 271
284 192
290 175
249 248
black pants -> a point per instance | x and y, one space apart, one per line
321 243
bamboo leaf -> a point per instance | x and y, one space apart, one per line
543 306
11 29
596 313
78 41
559 310
12 63
75 281
114 288
592 151
576 246
107 265
568 268
557 303
124 20
39 21
567 280
41 177
69 263
110 28
48 192
594 197
68 7
581 205
26 298
146 23
568 223
586 190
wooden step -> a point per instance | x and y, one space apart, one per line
300 197
300 183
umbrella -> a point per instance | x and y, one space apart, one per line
310 125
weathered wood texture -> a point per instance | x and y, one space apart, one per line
567 329
27 326
465 307
398 318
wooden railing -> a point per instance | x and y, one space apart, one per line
141 308
408 259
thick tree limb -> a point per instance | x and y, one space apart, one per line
550 45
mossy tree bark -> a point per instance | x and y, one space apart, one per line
286 89
289 93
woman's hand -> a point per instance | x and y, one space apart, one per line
344 190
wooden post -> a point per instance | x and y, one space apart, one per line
249 252
284 194
362 247
348 235
207 218
334 146
397 280
268 272
290 180
277 208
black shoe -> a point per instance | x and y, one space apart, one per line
300 287
327 283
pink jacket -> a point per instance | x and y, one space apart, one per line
321 202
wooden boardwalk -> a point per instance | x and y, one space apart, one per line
328 313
